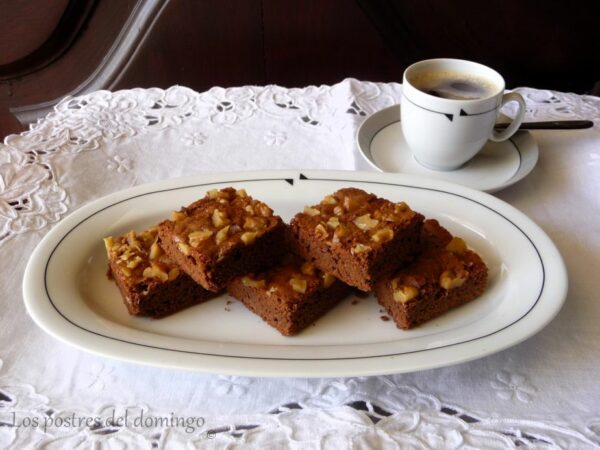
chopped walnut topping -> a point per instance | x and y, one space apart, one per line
264 210
196 237
338 210
321 231
333 222
176 216
308 268
403 294
134 262
340 231
350 203
155 251
133 241
126 271
383 235
365 222
184 248
222 235
311 211
450 280
329 200
213 193
360 248
401 208
249 237
173 273
328 280
456 245
148 236
249 209
219 218
154 271
241 193
254 223
298 285
249 282
108 244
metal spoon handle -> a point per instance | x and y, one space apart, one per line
551 125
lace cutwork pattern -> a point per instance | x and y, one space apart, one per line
374 412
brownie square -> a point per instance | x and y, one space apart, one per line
444 276
150 283
225 234
291 296
357 236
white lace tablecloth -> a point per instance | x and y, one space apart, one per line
543 393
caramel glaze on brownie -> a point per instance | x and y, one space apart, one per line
225 234
150 283
291 296
357 236
443 277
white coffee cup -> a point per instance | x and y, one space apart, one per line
445 127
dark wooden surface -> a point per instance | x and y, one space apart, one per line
205 43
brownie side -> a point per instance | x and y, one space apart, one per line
438 281
149 282
223 235
357 236
289 297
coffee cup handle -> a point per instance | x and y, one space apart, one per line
498 136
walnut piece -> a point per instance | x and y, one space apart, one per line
221 235
456 245
154 271
329 200
403 294
196 237
173 273
360 248
333 222
365 222
328 280
308 268
249 282
184 248
176 216
383 235
219 218
109 243
451 280
321 231
311 211
249 237
155 251
298 285
254 223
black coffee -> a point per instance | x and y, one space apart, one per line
453 85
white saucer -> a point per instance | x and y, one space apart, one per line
498 165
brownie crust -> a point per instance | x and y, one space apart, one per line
291 296
439 280
222 236
149 282
357 236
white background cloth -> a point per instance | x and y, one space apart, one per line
543 393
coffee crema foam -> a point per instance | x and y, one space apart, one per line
453 85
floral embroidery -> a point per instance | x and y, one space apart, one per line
511 385
274 138
29 199
195 138
120 164
232 385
